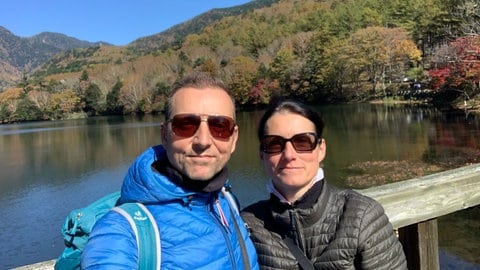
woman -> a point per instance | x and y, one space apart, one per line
324 226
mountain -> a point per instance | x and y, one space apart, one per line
313 50
22 55
174 35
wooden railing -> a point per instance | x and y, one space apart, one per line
413 207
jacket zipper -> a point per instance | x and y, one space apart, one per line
295 230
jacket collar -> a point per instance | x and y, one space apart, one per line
151 179
319 177
309 210
164 167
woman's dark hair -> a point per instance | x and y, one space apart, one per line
295 107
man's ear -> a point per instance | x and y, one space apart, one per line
164 132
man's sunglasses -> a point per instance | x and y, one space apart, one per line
186 125
302 142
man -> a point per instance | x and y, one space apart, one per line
180 184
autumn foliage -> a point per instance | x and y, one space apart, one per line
457 64
317 51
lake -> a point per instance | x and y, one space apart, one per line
49 168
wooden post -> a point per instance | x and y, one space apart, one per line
420 243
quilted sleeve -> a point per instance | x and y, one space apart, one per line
111 245
378 244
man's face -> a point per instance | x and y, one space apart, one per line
200 156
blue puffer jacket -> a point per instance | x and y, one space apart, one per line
190 224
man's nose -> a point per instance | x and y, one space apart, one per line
203 136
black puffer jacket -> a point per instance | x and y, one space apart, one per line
341 230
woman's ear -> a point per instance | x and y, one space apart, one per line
322 150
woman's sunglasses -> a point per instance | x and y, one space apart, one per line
302 142
186 125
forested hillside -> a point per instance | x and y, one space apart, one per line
318 51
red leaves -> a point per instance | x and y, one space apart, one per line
460 67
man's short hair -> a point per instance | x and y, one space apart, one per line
197 80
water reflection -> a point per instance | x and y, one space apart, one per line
454 140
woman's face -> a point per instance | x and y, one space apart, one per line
292 172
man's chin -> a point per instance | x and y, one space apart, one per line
194 178
198 176
200 172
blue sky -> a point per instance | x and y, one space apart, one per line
118 22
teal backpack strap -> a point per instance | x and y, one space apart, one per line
144 227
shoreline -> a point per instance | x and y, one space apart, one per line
471 107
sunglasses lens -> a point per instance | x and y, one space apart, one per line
220 127
273 144
185 125
304 142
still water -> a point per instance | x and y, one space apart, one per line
50 168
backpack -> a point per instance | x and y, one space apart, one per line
79 223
